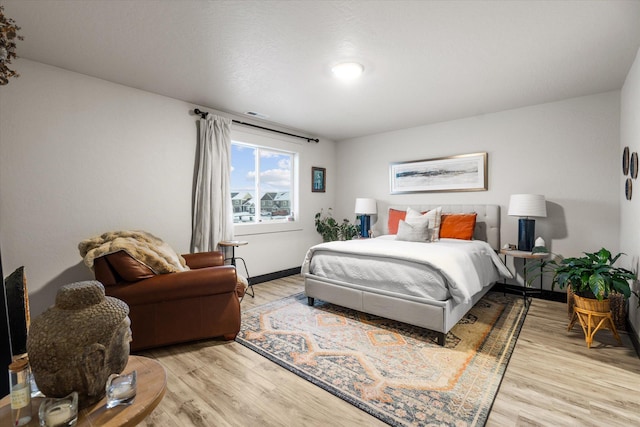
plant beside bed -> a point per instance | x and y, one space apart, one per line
595 285
593 275
331 230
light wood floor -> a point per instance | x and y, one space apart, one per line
552 380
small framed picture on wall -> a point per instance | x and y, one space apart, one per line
318 179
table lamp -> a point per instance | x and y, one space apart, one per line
365 208
527 205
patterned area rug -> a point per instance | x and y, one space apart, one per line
394 371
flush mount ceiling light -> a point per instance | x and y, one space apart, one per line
347 70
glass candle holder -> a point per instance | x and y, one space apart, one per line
59 412
35 391
121 389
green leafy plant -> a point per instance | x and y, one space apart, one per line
331 230
593 275
348 231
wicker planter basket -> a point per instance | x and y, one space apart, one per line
570 302
617 304
593 315
619 311
592 304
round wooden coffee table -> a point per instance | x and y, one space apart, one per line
151 385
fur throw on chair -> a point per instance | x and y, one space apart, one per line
144 247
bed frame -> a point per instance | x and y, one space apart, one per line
439 316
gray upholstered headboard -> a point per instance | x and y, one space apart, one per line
487 221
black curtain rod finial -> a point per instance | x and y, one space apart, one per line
202 114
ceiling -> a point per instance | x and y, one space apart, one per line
425 61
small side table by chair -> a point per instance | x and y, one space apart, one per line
233 244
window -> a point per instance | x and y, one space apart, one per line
267 195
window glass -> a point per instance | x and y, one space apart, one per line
272 183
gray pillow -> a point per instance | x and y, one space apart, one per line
413 232
433 217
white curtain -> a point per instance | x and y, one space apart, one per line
212 208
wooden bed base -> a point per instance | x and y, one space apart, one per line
438 316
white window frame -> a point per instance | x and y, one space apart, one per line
270 144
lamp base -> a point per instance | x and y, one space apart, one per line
365 225
526 231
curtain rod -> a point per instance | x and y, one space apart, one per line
204 115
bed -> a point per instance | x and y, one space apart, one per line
396 280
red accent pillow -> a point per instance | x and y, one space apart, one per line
458 226
394 218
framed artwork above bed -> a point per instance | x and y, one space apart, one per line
465 172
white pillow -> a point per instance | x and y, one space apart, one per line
431 220
412 232
414 217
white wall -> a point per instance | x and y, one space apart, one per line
564 150
80 156
630 209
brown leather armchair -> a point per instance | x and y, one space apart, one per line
175 307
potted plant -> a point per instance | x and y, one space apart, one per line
593 275
331 230
594 283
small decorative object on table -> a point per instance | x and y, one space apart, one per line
539 243
62 412
77 343
20 392
121 389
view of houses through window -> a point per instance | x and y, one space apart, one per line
262 183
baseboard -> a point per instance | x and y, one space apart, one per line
273 276
634 337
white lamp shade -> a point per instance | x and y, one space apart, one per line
366 206
527 205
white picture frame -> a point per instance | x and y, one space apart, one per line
465 172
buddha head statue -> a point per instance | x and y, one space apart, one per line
78 342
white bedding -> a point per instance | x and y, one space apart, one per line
439 270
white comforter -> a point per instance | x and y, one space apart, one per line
467 265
